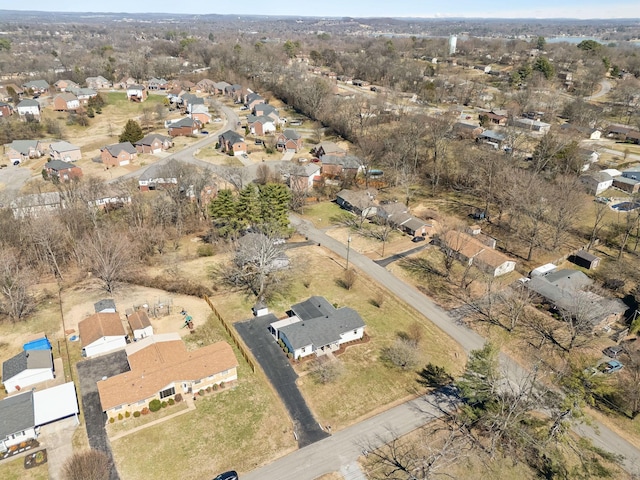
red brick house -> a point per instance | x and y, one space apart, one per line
153 143
118 155
289 140
65 102
5 110
184 127
231 141
62 170
260 125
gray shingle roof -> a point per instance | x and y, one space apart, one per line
25 361
63 146
114 150
149 139
104 304
23 146
291 134
16 414
232 137
321 324
27 102
183 122
58 165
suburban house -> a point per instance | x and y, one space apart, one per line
153 177
6 110
491 137
266 110
184 127
200 112
62 85
302 177
38 87
21 415
63 171
252 100
64 151
118 155
153 143
493 118
136 93
629 181
584 132
567 292
289 141
596 182
261 125
34 364
328 148
232 142
315 327
106 305
83 94
161 367
101 333
65 102
28 109
157 84
205 85
473 251
341 166
220 88
360 202
21 150
140 325
467 130
411 225
532 125
97 83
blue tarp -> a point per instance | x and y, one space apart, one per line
40 344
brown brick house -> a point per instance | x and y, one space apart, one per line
184 127
289 140
118 155
231 141
65 102
153 143
63 171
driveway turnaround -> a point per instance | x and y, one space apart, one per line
90 372
280 373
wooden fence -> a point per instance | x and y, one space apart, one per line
234 336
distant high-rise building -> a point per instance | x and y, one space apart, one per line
452 44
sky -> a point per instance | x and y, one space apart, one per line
581 9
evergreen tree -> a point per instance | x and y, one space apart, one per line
249 205
132 132
542 64
274 207
224 212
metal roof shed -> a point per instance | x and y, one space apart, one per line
55 403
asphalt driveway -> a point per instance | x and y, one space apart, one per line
90 371
273 361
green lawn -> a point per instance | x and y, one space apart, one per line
321 214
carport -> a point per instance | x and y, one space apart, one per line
55 403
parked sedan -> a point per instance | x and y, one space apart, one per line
230 475
417 239
611 366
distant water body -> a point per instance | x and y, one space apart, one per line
576 40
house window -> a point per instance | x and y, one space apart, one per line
197 382
168 392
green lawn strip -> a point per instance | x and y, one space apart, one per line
322 214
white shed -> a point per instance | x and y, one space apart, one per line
27 368
101 333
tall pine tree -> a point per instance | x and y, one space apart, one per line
132 132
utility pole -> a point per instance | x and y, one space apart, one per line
348 248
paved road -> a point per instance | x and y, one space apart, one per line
605 87
256 335
343 448
90 372
600 434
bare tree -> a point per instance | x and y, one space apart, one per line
326 370
600 213
236 176
87 465
16 279
110 256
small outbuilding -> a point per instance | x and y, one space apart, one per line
585 259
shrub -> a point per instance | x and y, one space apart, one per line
87 465
201 393
171 401
402 354
127 414
215 387
178 397
164 404
112 420
155 405
348 279
326 371
145 411
290 355
120 416
205 250
208 389
221 384
23 444
136 414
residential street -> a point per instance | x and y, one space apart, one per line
601 435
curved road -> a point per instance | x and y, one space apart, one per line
605 87
345 447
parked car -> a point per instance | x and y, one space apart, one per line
217 119
259 142
611 366
613 351
230 475
204 132
417 239
16 162
244 107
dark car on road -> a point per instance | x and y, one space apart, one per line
230 475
